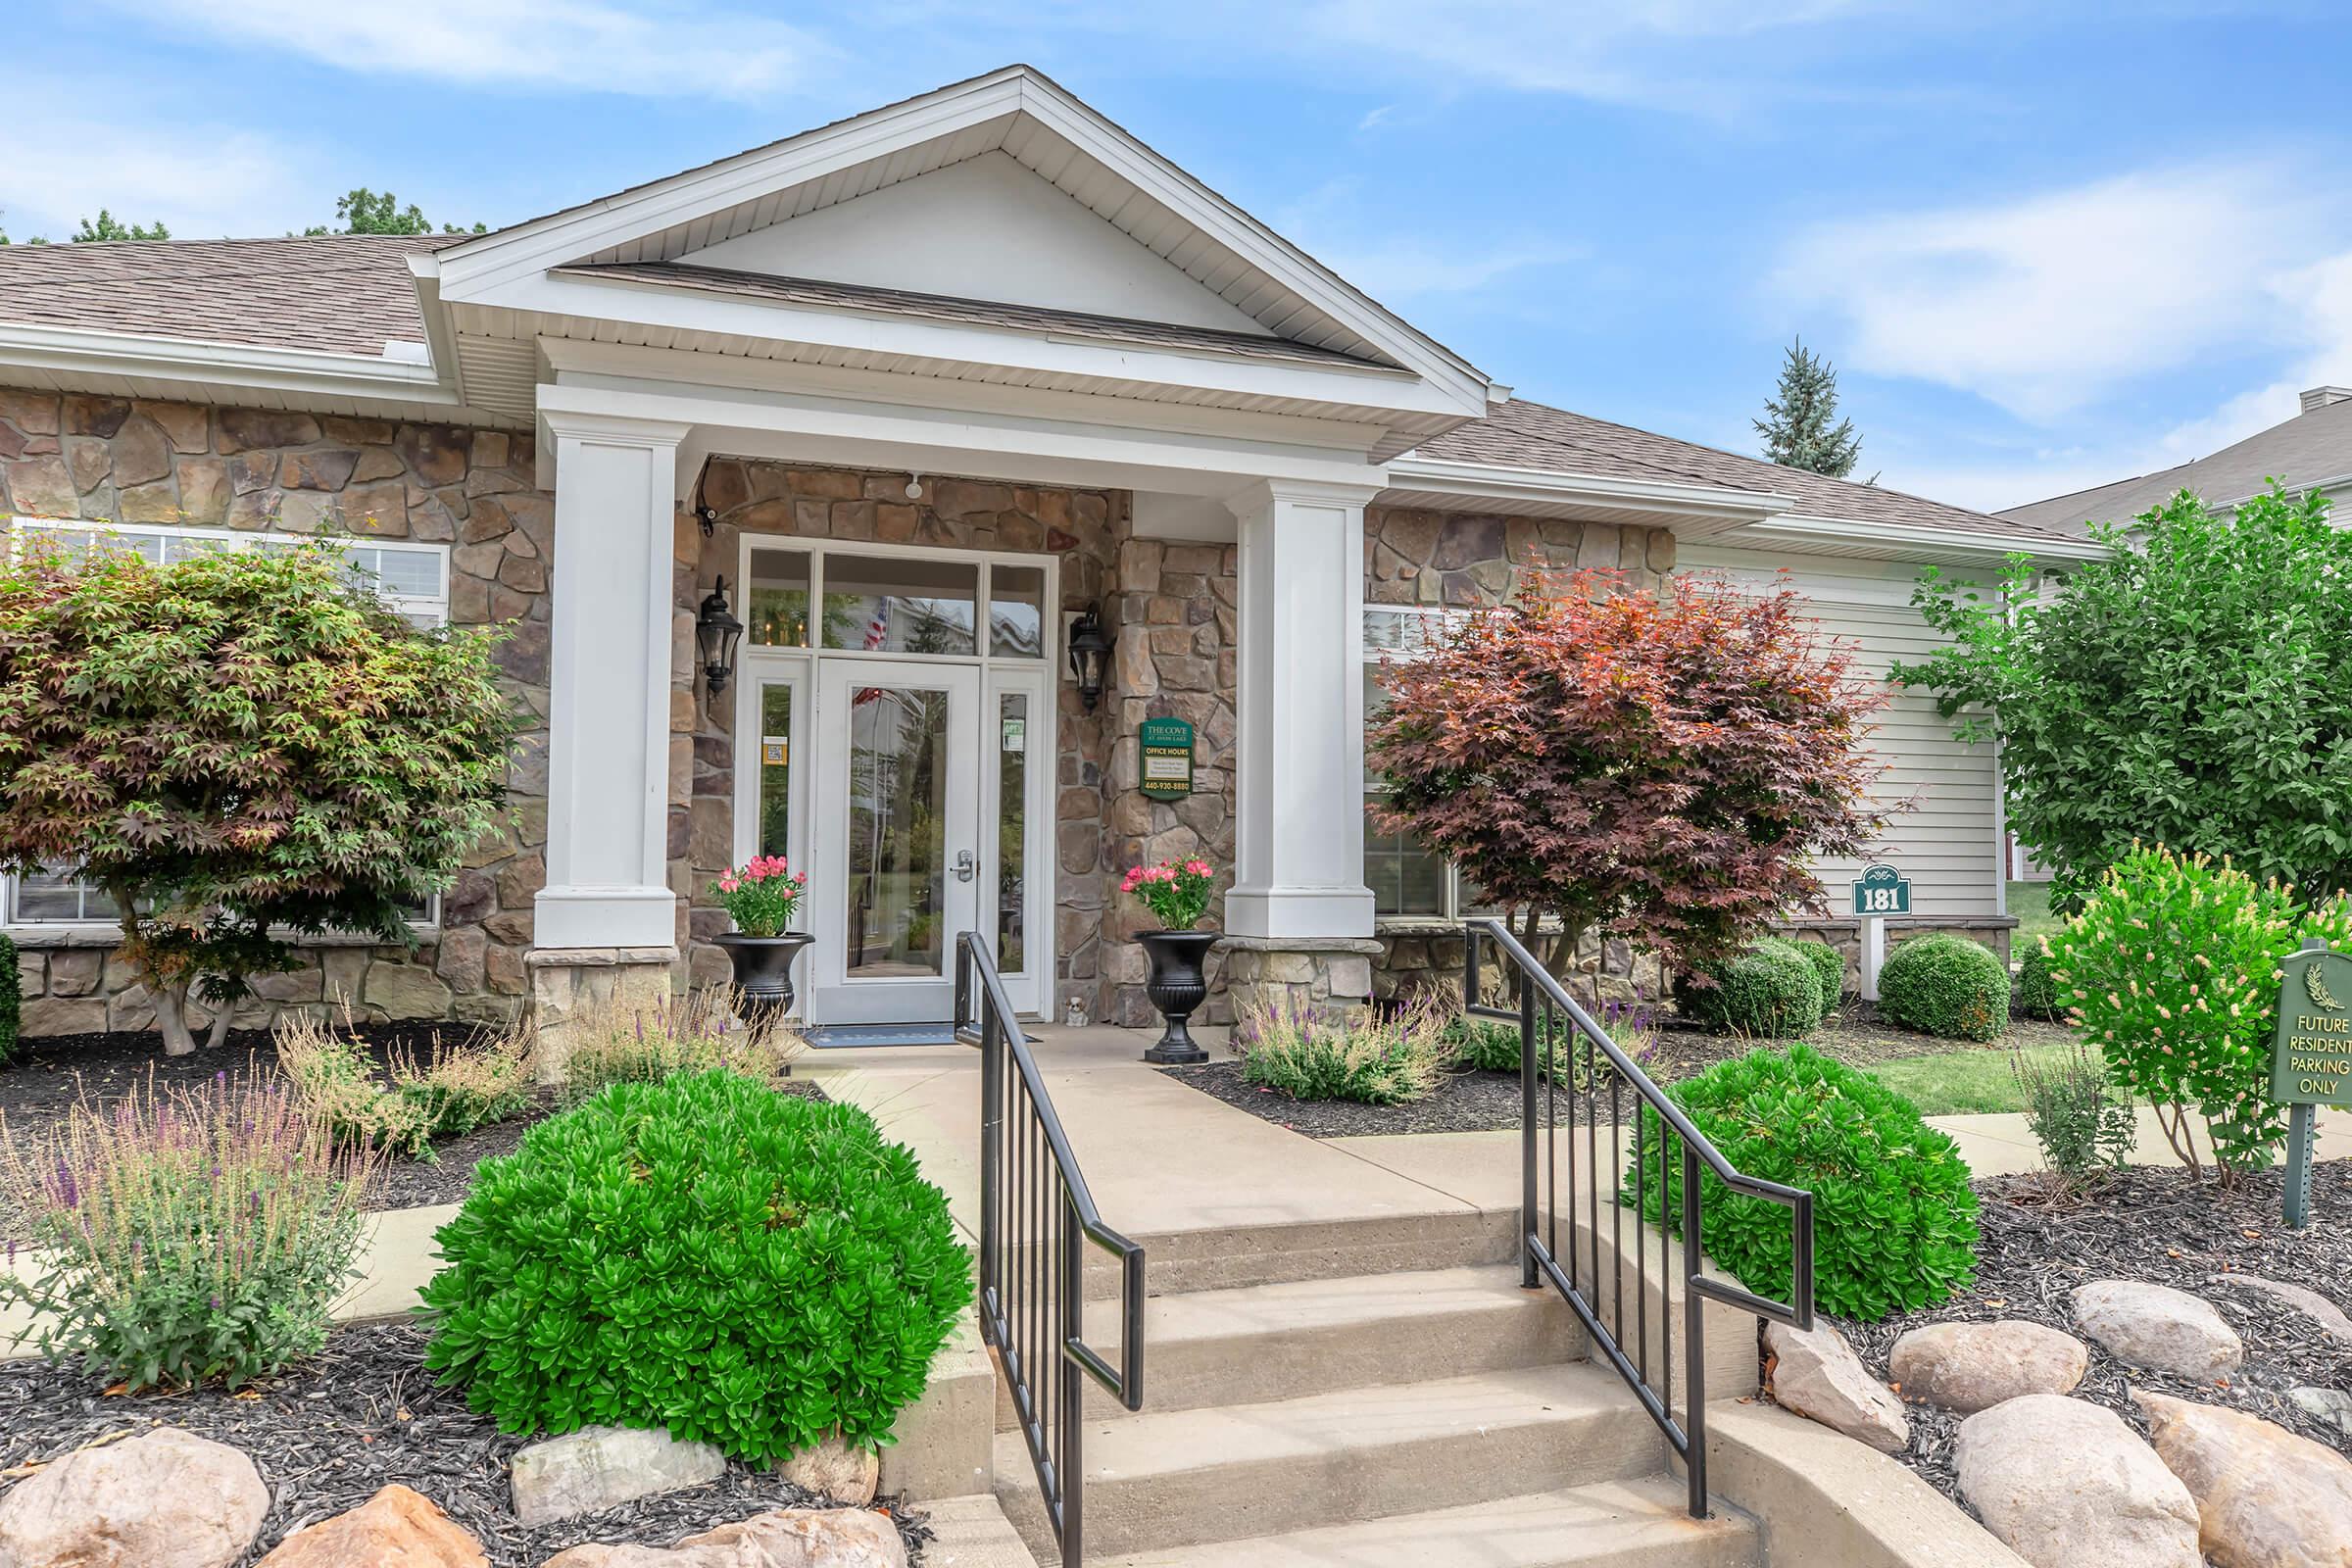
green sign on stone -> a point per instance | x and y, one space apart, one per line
1165 746
1882 890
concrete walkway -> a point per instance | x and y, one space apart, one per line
2002 1145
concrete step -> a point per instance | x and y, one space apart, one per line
1228 1257
1183 1478
1262 1343
1623 1524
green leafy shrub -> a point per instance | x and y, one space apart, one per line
1946 986
1771 991
1894 1218
1829 971
2035 994
741 1267
645 1041
202 1233
1489 1045
2084 1131
2171 970
11 999
1294 1049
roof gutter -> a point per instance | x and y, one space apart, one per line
1499 483
1863 536
306 371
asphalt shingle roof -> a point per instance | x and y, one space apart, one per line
2304 451
335 293
1533 435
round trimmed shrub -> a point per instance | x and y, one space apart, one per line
2035 993
1771 991
741 1267
1946 986
1895 1220
1828 969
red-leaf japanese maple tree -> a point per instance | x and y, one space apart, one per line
1659 767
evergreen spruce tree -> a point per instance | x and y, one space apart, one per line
1796 428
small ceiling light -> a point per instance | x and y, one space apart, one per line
716 633
1090 654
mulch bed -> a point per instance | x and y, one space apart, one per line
1488 1102
2160 1226
363 1414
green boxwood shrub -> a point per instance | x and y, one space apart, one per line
1946 986
2034 993
741 1267
1828 969
11 999
1895 1220
1771 991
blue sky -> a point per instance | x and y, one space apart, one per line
2047 245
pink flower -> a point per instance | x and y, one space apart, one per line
1197 867
800 877
727 884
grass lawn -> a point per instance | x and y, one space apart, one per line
1962 1083
2030 903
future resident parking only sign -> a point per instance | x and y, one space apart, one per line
2311 1055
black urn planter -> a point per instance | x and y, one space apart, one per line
1177 988
764 974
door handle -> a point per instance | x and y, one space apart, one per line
965 866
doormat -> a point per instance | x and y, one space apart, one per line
866 1036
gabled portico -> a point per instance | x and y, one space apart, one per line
1233 418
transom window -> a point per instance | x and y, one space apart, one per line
411 578
894 604
1405 879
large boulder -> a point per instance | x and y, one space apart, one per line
2302 1298
396 1526
2157 1327
603 1467
167 1498
839 1538
2266 1497
1817 1374
834 1469
2066 1484
1973 1366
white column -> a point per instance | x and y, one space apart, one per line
608 723
1298 838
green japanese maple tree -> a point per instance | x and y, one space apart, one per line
1659 766
238 746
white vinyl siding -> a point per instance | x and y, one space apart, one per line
1949 844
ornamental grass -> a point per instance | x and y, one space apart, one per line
188 1235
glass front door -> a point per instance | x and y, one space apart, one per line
897 837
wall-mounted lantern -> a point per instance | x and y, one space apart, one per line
1089 655
716 633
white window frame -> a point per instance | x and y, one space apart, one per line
1386 642
424 609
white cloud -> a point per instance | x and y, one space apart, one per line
202 181
2046 304
658 48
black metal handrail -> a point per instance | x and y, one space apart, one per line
1036 1219
1543 1004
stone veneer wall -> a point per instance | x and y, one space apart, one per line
141 462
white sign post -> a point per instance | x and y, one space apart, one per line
1879 892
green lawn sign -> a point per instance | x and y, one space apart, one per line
2311 1057
1165 746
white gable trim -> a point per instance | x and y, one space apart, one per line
479 269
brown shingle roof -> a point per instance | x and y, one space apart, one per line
2309 449
951 308
335 293
1532 435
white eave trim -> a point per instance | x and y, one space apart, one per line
1905 538
1498 483
172 359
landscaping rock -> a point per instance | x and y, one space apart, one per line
2157 1327
795 1538
2331 1406
396 1526
1973 1366
2066 1484
836 1470
162 1500
600 1467
1817 1375
2304 1299
2266 1497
